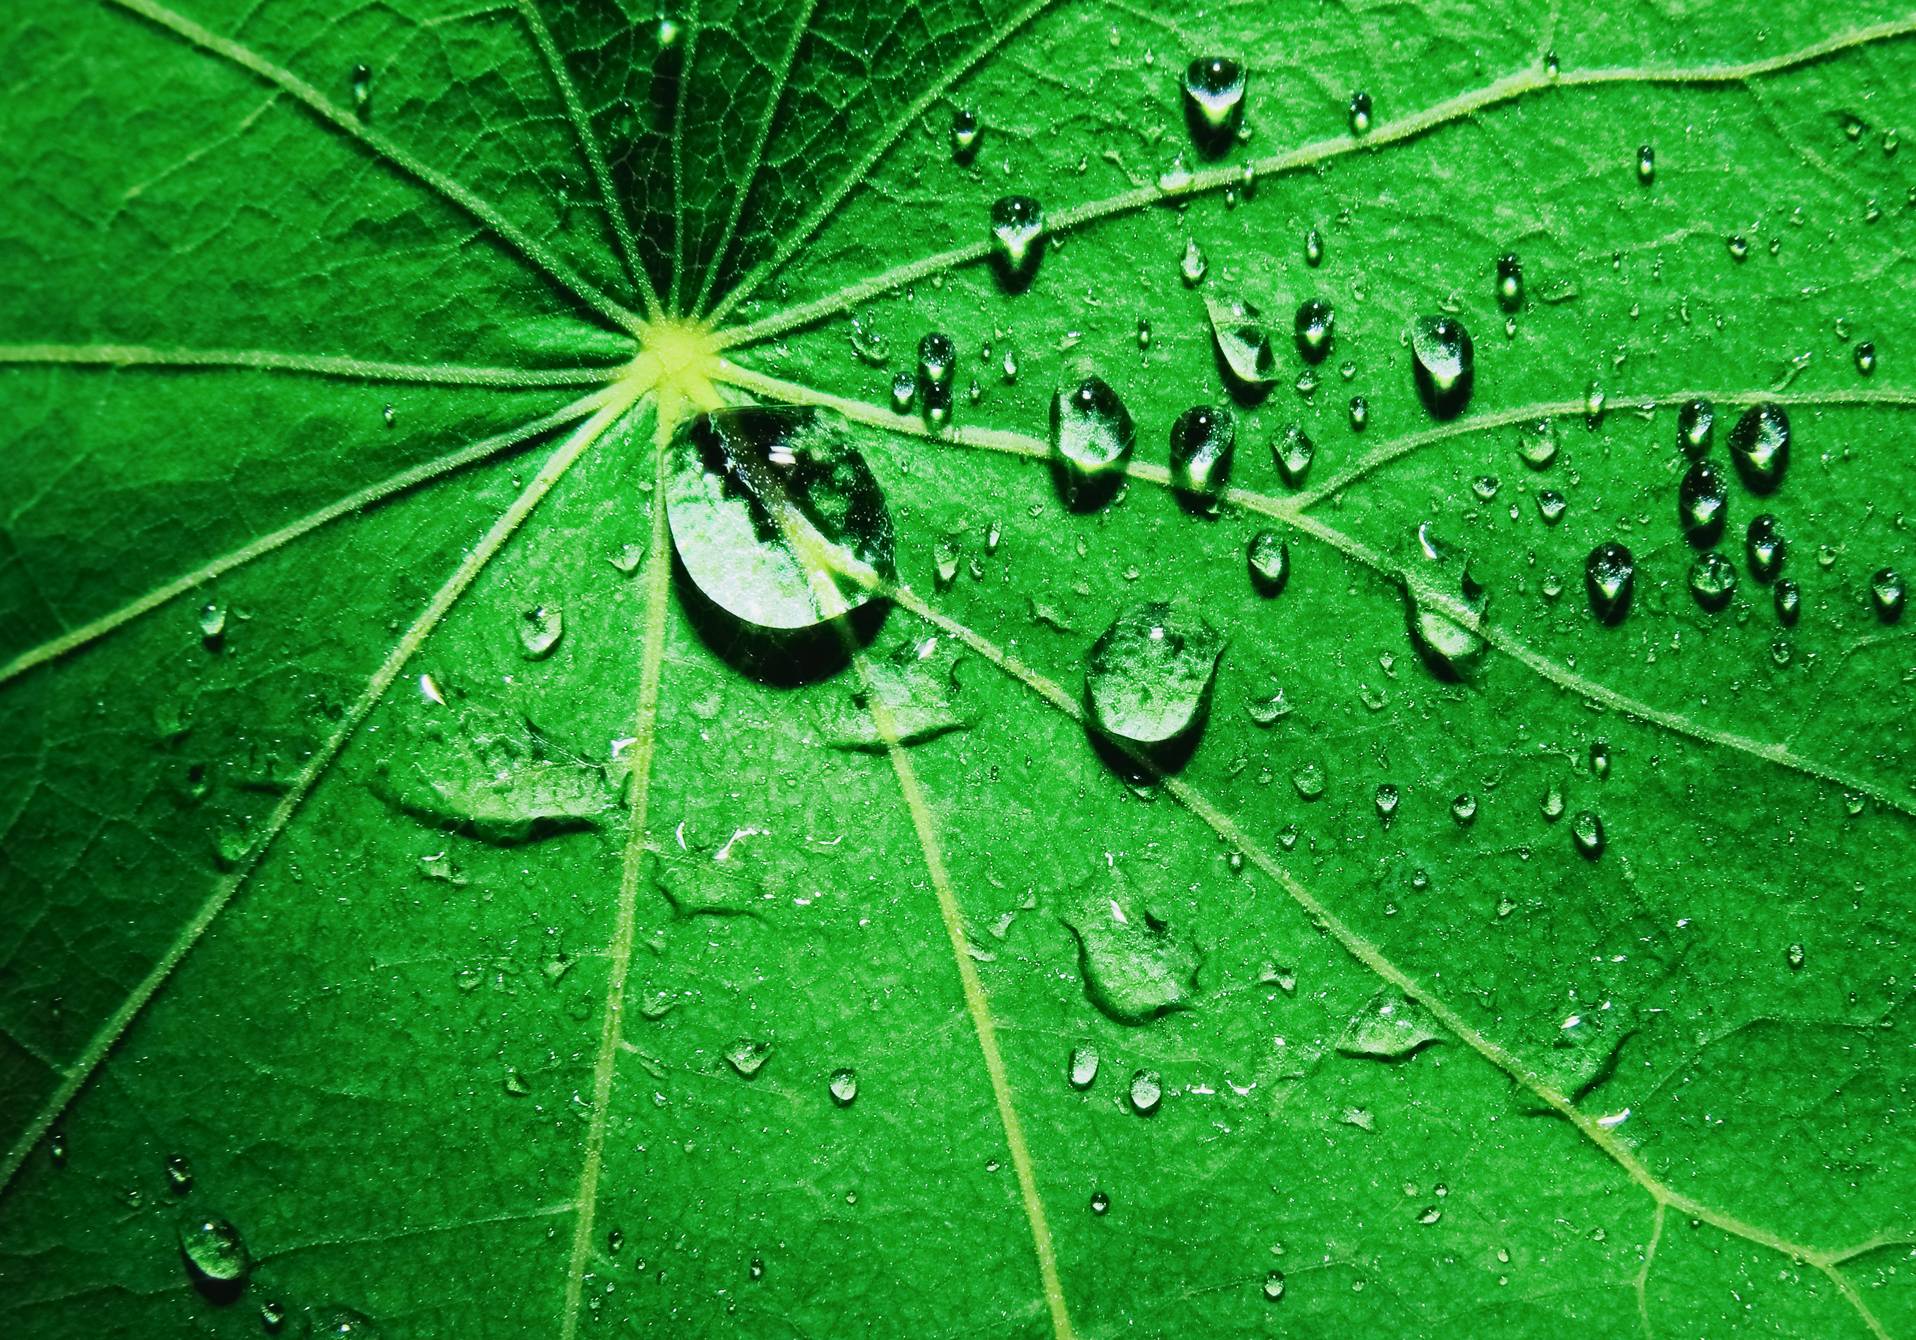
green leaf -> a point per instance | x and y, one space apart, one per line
427 911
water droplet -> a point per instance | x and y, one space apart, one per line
272 1316
1316 323
1269 559
904 392
1712 580
1017 239
1696 426
1313 248
214 1251
1175 177
937 356
1359 414
1243 345
1887 594
1865 356
1551 67
1387 798
1292 451
1192 265
1091 441
1144 334
1100 1203
1794 956
1203 442
1147 1090
1765 548
867 341
843 1086
1509 281
1788 601
747 1056
777 522
342 1323
1702 504
1760 446
1309 780
1537 443
1586 831
1214 101
1390 1027
1082 1071
1551 506
1274 1286
1449 645
1464 810
1646 164
212 624
540 629
362 85
1360 113
1609 576
965 130
1739 247
1148 677
1444 362
1594 401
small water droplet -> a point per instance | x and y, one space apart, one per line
1309 780
362 85
1609 576
748 1056
1359 414
1214 101
1537 443
1100 1203
1509 282
1788 601
179 1174
1464 809
1148 677
904 392
1760 446
1764 546
1017 239
1389 1027
1739 246
1865 356
1292 451
1485 487
1192 265
540 629
1449 645
1315 327
1147 1090
1444 362
1091 441
272 1316
1594 402
1888 594
1702 504
1269 559
343 1323
213 1250
1243 344
1794 956
1586 831
1082 1071
1203 442
1551 506
1274 1286
1360 108
937 356
1696 426
1386 799
1646 164
1551 67
965 130
844 1086
1712 580
1144 335
1313 248
212 623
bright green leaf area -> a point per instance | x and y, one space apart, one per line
386 842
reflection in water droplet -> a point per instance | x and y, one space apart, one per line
1244 346
1551 506
1203 442
1444 362
844 1086
1712 580
1100 1203
1760 446
1696 426
1091 441
1082 1072
1764 546
1147 1090
1702 505
1315 324
1888 594
1017 239
1269 559
1609 576
1586 830
1389 1027
1214 101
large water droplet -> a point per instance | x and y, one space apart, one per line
843 1086
780 529
1444 362
1017 239
1764 546
1243 344
1712 580
1888 594
1316 325
1390 1027
1696 426
1214 101
1702 504
1609 576
1148 678
748 1056
1203 441
1091 441
1269 560
1448 644
1081 1072
214 1254
1133 967
1760 446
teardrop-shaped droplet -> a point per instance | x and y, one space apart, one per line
776 518
1082 1071
1537 443
1551 505
1359 414
1765 548
1091 441
1192 265
1313 248
1609 576
965 130
1444 362
1315 326
1509 282
1646 164
1586 831
1243 344
1147 1090
1445 631
1888 594
937 357
1360 108
1696 427
1017 239
1203 441
1702 505
904 392
1292 451
362 86
1274 1286
1214 101
213 1250
1269 559
843 1086
1865 356
1760 446
1712 580
1788 599
1149 675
